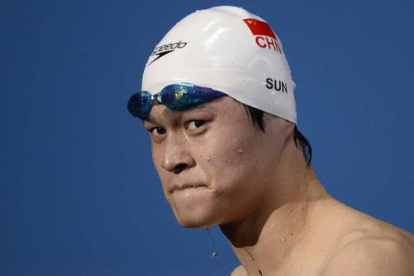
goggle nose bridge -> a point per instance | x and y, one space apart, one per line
156 99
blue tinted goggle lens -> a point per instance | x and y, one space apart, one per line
174 97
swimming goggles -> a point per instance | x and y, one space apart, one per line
174 96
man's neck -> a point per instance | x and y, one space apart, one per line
265 239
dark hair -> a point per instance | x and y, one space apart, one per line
256 116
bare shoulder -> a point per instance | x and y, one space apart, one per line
239 271
372 256
372 247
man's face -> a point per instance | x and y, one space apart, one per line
215 168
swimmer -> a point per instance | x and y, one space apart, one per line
218 102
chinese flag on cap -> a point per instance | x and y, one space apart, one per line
259 27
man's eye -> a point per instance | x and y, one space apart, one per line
157 131
195 124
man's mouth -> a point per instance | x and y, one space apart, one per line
188 187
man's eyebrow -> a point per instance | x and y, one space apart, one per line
203 106
170 113
150 119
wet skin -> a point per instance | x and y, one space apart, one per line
217 169
209 162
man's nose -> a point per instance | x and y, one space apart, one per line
177 156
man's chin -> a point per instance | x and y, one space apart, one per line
194 220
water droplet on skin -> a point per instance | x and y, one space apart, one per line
283 239
208 159
240 151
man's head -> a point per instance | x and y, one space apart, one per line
213 66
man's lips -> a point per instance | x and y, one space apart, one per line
182 187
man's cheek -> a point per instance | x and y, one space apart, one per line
157 158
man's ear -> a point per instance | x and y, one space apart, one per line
280 127
289 126
288 130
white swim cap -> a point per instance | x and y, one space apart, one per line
228 49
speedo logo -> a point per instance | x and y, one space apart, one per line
166 49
